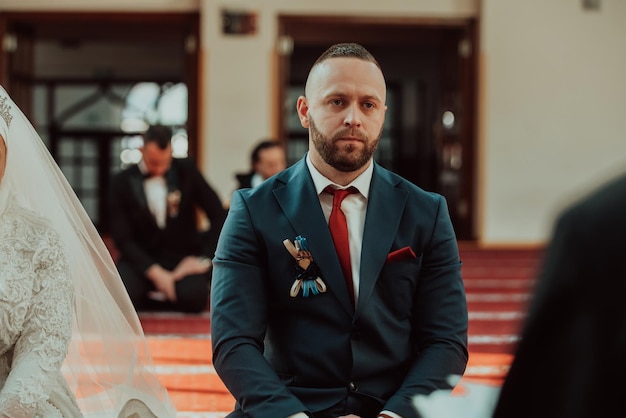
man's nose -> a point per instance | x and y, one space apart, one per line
353 116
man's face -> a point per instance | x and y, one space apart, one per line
271 161
344 109
157 160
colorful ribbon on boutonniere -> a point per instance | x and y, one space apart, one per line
307 273
173 203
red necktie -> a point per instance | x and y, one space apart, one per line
339 231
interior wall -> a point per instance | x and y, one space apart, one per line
554 102
240 86
551 93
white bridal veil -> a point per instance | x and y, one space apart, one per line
109 362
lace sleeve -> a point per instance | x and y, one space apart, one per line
5 114
43 343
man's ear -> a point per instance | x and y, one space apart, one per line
302 107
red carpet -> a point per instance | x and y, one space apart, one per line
498 284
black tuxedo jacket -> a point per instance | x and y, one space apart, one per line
135 232
573 344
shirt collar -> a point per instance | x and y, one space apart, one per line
256 180
142 167
362 182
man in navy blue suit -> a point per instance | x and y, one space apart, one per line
291 338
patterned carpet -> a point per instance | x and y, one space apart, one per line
498 284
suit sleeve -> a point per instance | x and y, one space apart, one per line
239 317
440 318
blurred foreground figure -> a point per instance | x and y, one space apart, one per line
165 260
573 342
71 344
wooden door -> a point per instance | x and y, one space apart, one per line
429 136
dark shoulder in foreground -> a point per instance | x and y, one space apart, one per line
606 204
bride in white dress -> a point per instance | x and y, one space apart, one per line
71 344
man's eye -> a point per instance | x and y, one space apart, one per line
368 105
337 102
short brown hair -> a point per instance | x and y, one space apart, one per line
347 50
159 134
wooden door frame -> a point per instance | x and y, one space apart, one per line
116 26
295 29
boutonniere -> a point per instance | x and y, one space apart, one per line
307 273
173 203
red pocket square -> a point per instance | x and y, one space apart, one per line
403 254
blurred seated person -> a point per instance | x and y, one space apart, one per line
165 261
573 340
267 158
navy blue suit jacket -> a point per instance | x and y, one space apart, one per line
279 355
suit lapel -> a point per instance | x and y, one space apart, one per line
139 194
300 204
136 184
384 211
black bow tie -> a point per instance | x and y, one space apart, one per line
147 176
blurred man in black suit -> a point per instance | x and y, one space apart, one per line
165 261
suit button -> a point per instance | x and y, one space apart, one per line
356 334
352 386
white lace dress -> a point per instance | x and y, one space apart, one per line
36 296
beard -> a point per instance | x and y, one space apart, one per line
346 158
